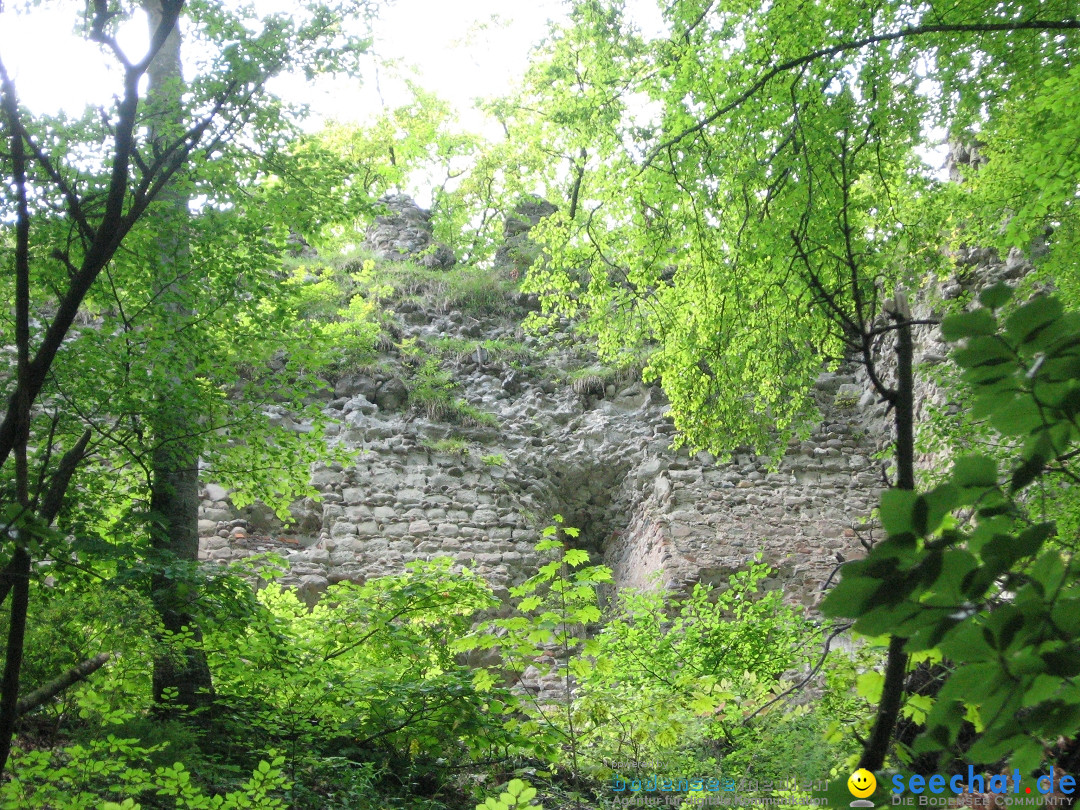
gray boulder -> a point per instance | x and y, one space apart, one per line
403 233
518 252
392 395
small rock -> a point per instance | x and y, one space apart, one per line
392 394
215 492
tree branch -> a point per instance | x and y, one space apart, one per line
853 45
107 235
892 690
50 506
77 673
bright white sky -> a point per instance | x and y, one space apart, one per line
460 49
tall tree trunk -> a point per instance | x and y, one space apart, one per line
17 572
174 497
892 691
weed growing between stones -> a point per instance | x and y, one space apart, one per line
451 446
593 380
484 352
432 391
472 292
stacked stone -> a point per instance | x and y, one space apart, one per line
403 232
602 461
518 252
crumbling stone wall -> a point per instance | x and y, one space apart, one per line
601 458
697 520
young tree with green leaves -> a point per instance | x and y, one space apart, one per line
414 146
79 190
972 567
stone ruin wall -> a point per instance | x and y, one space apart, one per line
603 460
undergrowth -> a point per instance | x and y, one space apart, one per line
364 701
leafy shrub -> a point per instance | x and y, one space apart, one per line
336 783
517 796
367 675
113 773
341 312
785 745
70 625
547 633
712 660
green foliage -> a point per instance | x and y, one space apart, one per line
472 292
494 460
968 567
738 189
338 783
365 691
786 745
517 796
358 693
367 674
417 143
59 636
113 772
1024 194
717 662
547 632
476 294
338 312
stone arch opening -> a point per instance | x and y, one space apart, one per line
590 498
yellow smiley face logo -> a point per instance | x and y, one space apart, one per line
861 783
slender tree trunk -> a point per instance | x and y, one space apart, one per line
13 653
892 692
174 497
17 574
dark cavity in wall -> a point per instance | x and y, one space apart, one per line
587 496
